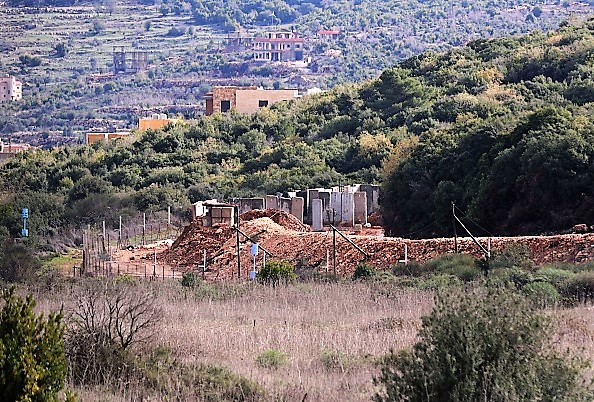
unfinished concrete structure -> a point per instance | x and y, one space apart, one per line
245 99
212 212
129 62
247 204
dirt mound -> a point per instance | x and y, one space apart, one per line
282 218
188 249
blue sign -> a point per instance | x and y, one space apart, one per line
254 249
25 232
25 213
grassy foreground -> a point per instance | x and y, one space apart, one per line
319 339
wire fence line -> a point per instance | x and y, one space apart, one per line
100 245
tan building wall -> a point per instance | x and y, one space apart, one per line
154 124
252 100
11 89
245 99
95 137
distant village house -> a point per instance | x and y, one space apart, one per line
329 34
155 122
279 46
244 99
11 89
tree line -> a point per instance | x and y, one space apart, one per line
500 127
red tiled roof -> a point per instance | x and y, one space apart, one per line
328 32
270 40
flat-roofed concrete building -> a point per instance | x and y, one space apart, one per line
155 122
245 99
11 89
95 137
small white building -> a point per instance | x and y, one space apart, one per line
11 89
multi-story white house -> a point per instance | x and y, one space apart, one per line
279 46
11 89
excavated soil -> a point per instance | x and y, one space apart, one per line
284 237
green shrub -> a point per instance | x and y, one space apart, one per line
364 271
552 275
542 294
190 279
462 266
516 276
484 344
334 360
445 262
440 281
579 288
271 359
162 372
413 268
275 272
32 361
18 263
513 255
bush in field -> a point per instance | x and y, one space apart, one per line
541 294
364 271
17 263
553 275
271 359
515 276
110 318
275 272
486 344
32 362
190 279
462 266
579 288
511 256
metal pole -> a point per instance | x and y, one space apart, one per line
143 226
155 262
334 247
204 266
454 224
237 239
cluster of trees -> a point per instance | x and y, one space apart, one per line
499 127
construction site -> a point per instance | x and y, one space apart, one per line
223 251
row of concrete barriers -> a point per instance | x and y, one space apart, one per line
341 205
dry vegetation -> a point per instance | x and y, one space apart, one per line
332 334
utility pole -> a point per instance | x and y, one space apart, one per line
237 240
454 225
334 247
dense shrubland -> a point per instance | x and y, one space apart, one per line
500 127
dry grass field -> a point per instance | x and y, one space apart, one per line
331 334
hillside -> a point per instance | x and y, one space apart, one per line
500 127
62 51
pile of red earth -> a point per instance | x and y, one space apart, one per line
280 237
284 219
188 249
